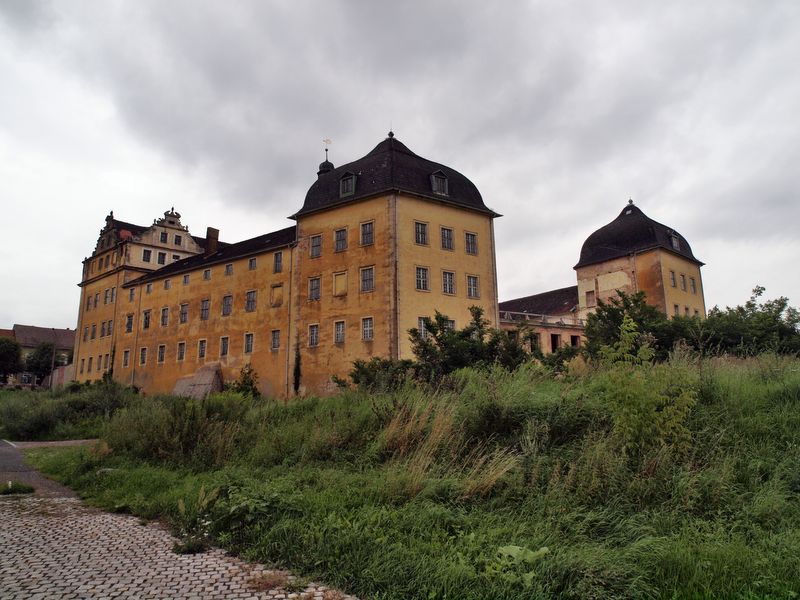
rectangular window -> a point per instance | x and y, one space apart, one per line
472 286
451 324
420 233
367 279
277 262
109 326
142 356
338 332
347 185
162 258
250 301
693 285
367 329
106 296
94 330
162 352
83 364
229 269
207 274
422 327
148 288
167 284
146 255
683 282
103 329
251 264
248 343
185 280
313 335
590 299
340 239
316 246
672 281
113 294
131 294
340 284
163 237
471 243
97 299
447 238
313 288
164 316
89 303
227 305
422 278
126 358
367 233
276 339
205 308
448 282
686 310
676 310
181 350
201 349
178 240
146 319
183 315
276 295
176 257
223 346
85 334
89 367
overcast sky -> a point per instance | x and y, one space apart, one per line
558 111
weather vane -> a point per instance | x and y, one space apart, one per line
327 142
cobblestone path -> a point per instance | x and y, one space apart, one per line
55 547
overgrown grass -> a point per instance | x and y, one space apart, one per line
15 487
72 412
496 485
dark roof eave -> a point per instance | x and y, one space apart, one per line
639 251
353 199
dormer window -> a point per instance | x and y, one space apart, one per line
676 243
439 183
347 185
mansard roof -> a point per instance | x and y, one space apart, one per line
554 302
225 253
30 336
631 232
390 167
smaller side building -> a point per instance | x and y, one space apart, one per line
29 337
549 320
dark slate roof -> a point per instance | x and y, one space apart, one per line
391 166
554 302
134 229
226 253
31 336
632 231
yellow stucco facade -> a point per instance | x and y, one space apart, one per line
356 272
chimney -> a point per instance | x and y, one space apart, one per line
212 240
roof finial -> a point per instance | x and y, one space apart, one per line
630 201
391 134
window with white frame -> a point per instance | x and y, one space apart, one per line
367 329
471 242
448 282
201 348
447 239
421 233
181 350
338 332
340 240
162 352
248 343
162 258
277 262
227 305
207 274
367 233
223 346
229 269
165 316
276 339
367 279
313 288
316 246
251 264
146 319
250 301
126 359
422 278
313 335
183 315
472 286
142 356
205 308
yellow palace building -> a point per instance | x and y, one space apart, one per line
379 244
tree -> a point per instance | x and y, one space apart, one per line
751 328
10 358
603 327
441 349
40 361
